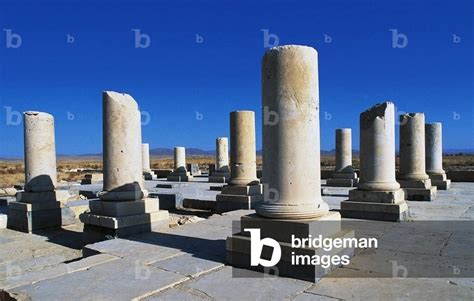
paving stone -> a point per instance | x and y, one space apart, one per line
181 294
220 285
191 265
116 280
312 297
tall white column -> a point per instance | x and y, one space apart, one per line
377 149
434 148
222 155
40 152
146 157
179 159
123 178
344 151
291 152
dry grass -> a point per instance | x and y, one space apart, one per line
12 172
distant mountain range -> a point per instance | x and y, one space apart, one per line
168 152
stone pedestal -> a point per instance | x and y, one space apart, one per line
221 173
38 207
292 202
180 173
378 195
244 189
123 208
148 174
343 175
434 156
412 176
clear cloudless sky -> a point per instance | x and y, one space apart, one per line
204 61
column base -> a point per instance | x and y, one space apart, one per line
420 194
235 197
179 177
217 177
329 225
342 182
34 211
375 205
121 219
149 176
425 184
440 181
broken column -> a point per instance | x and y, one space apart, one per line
412 176
292 203
343 175
434 156
148 174
123 208
244 189
221 173
180 173
38 206
378 195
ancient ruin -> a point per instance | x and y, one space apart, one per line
343 174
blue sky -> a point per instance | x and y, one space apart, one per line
204 59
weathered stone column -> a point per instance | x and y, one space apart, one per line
244 189
343 175
180 173
123 208
122 156
291 143
222 172
434 156
378 195
38 207
146 157
243 168
292 205
412 176
148 174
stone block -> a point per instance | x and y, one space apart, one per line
388 197
243 190
216 188
216 178
342 182
162 173
184 177
229 202
42 197
441 185
172 185
116 209
238 255
27 218
3 220
282 230
375 211
123 221
426 184
149 176
193 168
420 194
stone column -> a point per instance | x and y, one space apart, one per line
434 156
291 153
412 176
377 149
378 195
122 154
38 207
40 152
123 208
343 175
243 168
180 173
146 157
292 206
222 172
244 189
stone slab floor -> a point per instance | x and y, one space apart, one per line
187 262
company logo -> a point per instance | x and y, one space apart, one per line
256 248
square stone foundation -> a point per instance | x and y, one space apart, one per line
180 177
108 219
342 182
375 205
238 245
34 211
440 181
236 197
217 177
418 190
149 176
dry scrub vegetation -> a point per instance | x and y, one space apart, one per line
12 171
